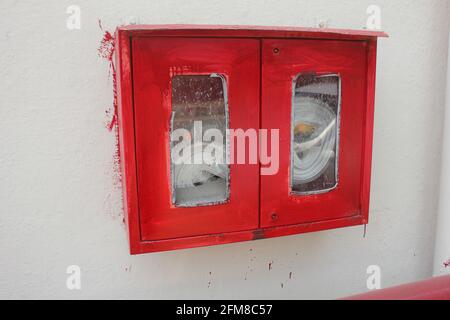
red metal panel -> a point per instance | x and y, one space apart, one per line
368 127
126 137
155 62
256 234
280 67
437 288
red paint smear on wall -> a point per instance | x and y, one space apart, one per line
447 263
106 52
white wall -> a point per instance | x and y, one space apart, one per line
61 200
442 240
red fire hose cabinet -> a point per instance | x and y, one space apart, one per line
241 133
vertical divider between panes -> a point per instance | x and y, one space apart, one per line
261 62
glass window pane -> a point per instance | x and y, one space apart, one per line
314 129
199 173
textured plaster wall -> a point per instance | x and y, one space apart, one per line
61 200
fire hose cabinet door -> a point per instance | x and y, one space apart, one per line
322 91
188 92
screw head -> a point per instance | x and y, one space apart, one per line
276 50
274 216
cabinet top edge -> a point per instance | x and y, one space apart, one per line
248 31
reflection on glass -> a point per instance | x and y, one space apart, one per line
199 108
314 129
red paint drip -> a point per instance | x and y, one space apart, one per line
447 263
106 51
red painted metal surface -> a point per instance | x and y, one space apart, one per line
280 67
155 62
437 288
144 57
